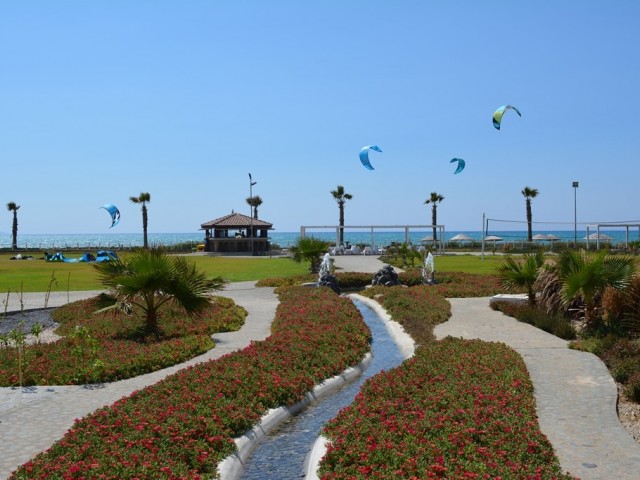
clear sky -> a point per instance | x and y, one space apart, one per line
102 100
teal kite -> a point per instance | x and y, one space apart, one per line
114 212
497 115
461 164
364 155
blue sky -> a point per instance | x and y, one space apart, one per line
102 100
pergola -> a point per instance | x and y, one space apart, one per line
237 233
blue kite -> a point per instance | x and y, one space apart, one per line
115 213
364 155
461 164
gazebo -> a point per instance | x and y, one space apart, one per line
237 233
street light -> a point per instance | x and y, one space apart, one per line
251 184
575 214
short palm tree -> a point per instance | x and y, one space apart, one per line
310 249
522 274
254 202
585 275
143 198
12 207
434 200
340 196
529 194
149 279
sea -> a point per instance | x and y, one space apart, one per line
380 238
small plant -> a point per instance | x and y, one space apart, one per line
52 281
84 350
36 331
18 338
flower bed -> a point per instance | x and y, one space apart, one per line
184 426
107 347
417 309
458 409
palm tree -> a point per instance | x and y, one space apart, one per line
309 249
585 275
341 197
434 200
529 194
254 202
148 279
12 207
516 274
143 199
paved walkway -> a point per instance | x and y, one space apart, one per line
32 419
575 395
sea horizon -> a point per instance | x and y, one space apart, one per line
380 237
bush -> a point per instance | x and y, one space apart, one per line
632 388
556 325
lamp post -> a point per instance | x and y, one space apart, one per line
575 214
251 184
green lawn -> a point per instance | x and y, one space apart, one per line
35 275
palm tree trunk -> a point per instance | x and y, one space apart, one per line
14 231
434 221
529 221
144 226
341 207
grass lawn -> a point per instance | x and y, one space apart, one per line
36 275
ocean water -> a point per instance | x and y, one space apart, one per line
93 241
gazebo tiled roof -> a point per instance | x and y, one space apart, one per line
236 220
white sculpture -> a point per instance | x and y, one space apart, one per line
429 270
325 266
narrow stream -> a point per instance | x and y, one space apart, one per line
281 455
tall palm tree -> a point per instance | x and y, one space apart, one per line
12 207
529 194
254 202
148 279
143 199
434 200
340 196
585 275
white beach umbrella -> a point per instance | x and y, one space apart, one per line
461 237
598 236
540 236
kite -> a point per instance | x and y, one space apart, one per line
115 213
497 115
364 155
461 164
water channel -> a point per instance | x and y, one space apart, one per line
281 455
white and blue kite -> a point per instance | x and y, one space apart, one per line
115 213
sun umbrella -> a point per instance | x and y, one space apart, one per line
598 236
540 236
461 237
428 238
492 238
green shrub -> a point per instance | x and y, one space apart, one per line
555 324
632 388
